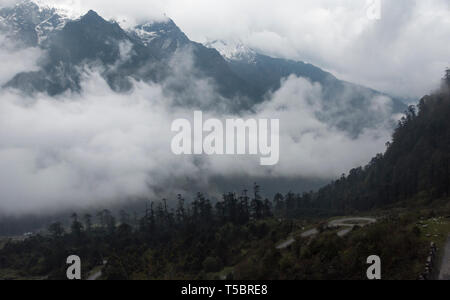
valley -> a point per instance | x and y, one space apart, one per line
99 159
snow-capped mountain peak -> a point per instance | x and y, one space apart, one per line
148 32
145 33
232 50
31 21
55 22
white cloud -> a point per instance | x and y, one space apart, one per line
100 146
14 60
6 3
311 148
80 149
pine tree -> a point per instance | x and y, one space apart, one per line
257 203
76 226
447 77
88 222
124 217
180 212
101 219
56 230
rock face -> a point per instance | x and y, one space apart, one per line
241 76
162 37
29 23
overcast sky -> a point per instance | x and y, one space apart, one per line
403 53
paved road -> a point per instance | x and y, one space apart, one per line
286 244
445 267
351 222
348 223
309 233
95 276
291 240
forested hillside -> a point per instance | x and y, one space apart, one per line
238 239
415 167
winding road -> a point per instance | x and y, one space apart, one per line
286 244
309 233
95 276
348 223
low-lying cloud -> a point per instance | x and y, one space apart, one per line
15 60
99 146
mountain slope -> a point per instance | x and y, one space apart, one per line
143 53
25 22
243 77
415 169
266 73
88 40
165 39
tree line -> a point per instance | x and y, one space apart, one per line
415 169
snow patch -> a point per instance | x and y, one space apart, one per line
145 36
233 50
54 23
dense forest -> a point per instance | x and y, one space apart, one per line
414 168
237 238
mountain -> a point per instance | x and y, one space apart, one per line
149 51
29 23
266 73
142 53
165 39
233 51
90 39
414 170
